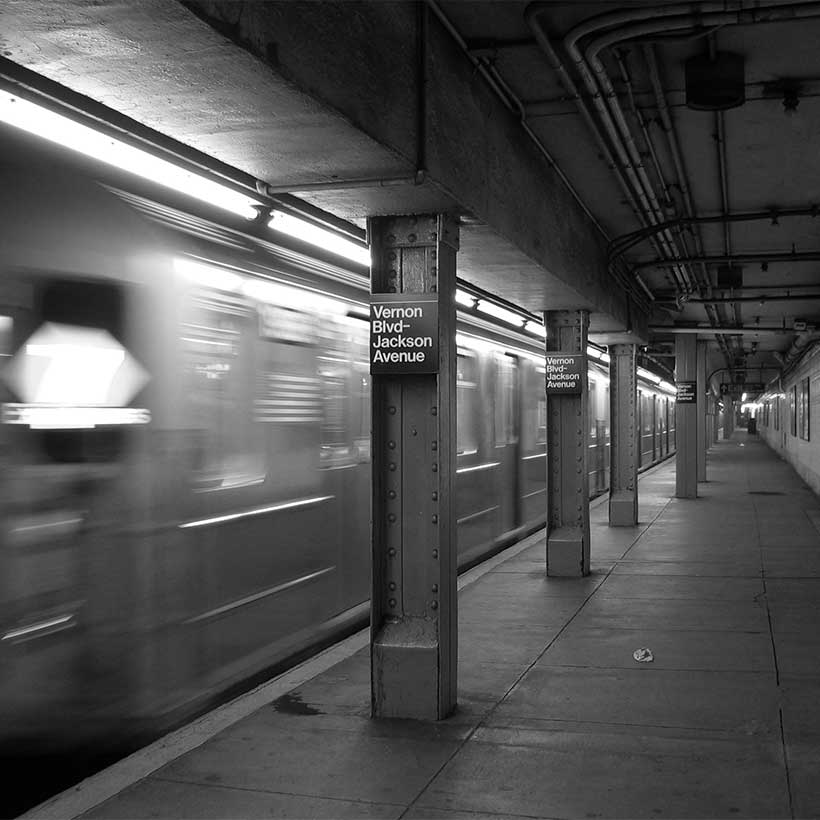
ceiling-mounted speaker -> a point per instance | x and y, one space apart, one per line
729 276
715 84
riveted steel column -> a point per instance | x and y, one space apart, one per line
567 473
623 465
703 439
414 621
686 420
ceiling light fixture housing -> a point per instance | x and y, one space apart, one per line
715 84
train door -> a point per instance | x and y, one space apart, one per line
507 424
533 443
640 429
71 579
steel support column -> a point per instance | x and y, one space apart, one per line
623 454
703 440
414 621
686 421
567 472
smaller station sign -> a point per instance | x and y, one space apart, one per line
565 373
687 393
727 388
403 333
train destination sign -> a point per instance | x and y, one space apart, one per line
403 333
565 372
687 393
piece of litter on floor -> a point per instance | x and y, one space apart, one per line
643 655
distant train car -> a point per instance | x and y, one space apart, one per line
783 415
185 457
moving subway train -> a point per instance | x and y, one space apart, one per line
185 446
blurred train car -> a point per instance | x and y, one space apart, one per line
185 447
782 415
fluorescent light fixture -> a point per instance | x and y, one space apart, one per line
669 388
536 329
465 299
744 397
73 135
498 312
646 374
52 417
308 232
594 353
478 344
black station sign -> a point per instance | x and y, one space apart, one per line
748 387
687 393
403 333
565 372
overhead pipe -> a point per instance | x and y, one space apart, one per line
626 241
683 181
516 106
500 93
728 331
674 145
622 172
672 17
607 102
805 297
714 259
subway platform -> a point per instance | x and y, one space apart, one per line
556 717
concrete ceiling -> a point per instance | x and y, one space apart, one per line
319 98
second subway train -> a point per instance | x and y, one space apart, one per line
165 553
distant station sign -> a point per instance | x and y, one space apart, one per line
403 333
748 387
565 372
687 393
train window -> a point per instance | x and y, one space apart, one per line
362 396
803 409
646 413
593 407
793 410
534 415
467 403
541 434
505 400
777 413
6 333
219 343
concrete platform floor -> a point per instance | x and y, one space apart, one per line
556 719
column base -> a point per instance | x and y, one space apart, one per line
405 673
623 509
567 555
